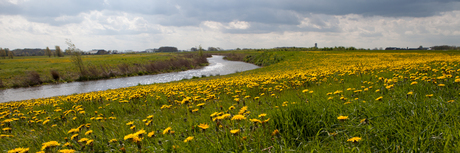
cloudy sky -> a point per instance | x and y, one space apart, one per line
142 24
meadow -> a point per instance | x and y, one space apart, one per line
303 101
23 71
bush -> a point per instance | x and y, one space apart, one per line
33 78
55 75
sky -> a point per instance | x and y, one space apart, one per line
228 24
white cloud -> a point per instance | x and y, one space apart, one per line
238 25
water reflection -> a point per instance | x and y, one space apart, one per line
217 66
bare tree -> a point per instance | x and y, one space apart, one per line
76 57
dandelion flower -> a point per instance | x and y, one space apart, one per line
18 150
67 151
203 126
342 118
238 117
50 144
167 130
255 121
112 140
89 132
151 134
235 132
262 115
275 132
188 139
354 139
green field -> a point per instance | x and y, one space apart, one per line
300 101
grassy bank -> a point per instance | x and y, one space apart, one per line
309 101
35 70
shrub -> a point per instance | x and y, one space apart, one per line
55 75
33 78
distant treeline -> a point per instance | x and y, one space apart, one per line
445 47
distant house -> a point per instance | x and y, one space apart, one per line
98 52
93 52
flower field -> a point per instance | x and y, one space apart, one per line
310 101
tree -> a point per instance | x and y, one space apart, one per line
200 51
10 53
2 53
48 51
59 52
76 57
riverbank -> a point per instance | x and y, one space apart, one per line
28 71
337 101
217 67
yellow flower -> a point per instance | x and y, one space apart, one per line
83 140
231 107
67 151
167 130
50 144
203 126
130 123
113 140
238 117
262 115
450 101
188 139
342 118
235 132
89 132
73 136
129 136
89 142
441 85
151 134
137 139
275 132
354 139
410 93
140 132
18 150
255 121
379 98
76 130
364 121
429 95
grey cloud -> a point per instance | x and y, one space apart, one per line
268 15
